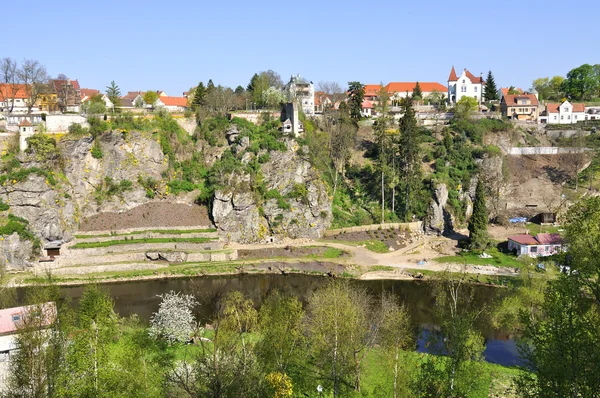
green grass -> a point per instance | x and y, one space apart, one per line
535 229
372 245
91 245
380 268
157 231
498 259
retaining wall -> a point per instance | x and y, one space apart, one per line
544 150
416 226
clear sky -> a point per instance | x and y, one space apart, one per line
173 44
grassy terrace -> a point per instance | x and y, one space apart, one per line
498 259
156 231
535 229
372 245
91 245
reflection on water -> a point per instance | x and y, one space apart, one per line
141 298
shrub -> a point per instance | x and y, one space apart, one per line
77 130
3 206
96 150
43 146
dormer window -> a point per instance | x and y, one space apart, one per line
463 81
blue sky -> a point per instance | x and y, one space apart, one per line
172 45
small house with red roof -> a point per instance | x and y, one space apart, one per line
520 106
172 104
464 85
367 108
12 320
398 90
565 113
540 245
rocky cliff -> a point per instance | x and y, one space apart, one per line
301 209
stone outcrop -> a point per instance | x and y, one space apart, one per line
439 220
17 253
241 215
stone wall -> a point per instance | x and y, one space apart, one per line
61 123
416 226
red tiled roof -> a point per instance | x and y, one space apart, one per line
511 100
472 78
9 91
173 101
24 123
505 90
59 83
367 104
88 93
524 239
553 108
549 239
426 87
372 89
132 94
452 77
321 98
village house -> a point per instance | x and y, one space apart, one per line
540 245
132 100
372 92
399 90
565 113
172 104
14 319
367 109
507 90
13 98
520 106
322 102
68 93
88 93
466 84
303 92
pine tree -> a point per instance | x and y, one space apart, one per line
417 93
210 86
253 83
409 158
199 96
356 95
113 92
479 220
491 91
239 90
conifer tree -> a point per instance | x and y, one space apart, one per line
409 158
253 83
113 92
478 234
491 91
210 86
356 95
417 93
199 96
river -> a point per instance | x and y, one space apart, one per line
141 298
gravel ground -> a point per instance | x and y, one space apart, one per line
150 215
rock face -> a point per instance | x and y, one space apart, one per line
242 216
438 219
17 253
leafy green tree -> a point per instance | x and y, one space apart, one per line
513 91
96 105
560 347
199 96
417 94
581 83
409 161
356 95
113 92
339 330
491 91
549 88
478 223
281 344
459 372
150 97
465 107
395 335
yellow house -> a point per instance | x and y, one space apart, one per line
48 102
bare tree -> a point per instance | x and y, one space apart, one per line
34 76
10 77
333 90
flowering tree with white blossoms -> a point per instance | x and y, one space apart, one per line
174 320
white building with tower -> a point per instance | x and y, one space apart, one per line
25 131
302 92
465 85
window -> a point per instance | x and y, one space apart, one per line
562 117
16 317
554 117
533 249
475 88
569 117
463 81
575 117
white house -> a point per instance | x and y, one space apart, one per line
303 92
13 99
565 113
367 108
88 93
172 104
464 85
535 246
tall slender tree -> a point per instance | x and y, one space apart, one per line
113 92
491 91
478 234
417 94
384 142
199 96
356 95
409 157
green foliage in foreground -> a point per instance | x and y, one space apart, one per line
89 245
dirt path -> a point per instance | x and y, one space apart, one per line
403 259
